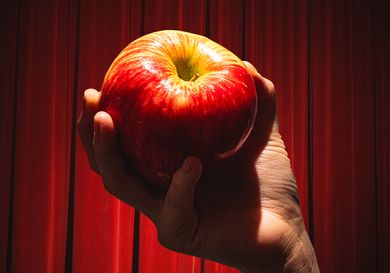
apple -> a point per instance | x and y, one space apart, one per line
172 94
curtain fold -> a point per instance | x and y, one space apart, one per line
276 42
382 131
8 66
41 139
329 61
103 225
344 136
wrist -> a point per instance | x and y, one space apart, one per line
297 256
302 257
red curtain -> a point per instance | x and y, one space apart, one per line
329 60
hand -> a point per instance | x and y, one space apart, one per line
245 214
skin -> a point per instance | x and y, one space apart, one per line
245 214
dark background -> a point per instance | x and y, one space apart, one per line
329 60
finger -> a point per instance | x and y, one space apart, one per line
179 216
264 87
85 123
266 99
117 180
265 117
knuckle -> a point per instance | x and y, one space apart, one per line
164 240
109 186
171 201
270 85
179 238
114 184
93 165
173 242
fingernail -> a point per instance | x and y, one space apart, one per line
186 168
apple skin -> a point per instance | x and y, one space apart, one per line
172 94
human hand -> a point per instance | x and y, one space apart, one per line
245 214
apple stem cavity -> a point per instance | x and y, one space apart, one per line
195 77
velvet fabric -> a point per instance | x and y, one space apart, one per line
329 61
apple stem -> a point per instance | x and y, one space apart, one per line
195 77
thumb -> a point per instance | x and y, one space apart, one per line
179 215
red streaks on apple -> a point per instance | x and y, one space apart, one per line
173 94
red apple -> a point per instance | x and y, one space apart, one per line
172 94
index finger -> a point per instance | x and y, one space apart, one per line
265 118
264 87
85 123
